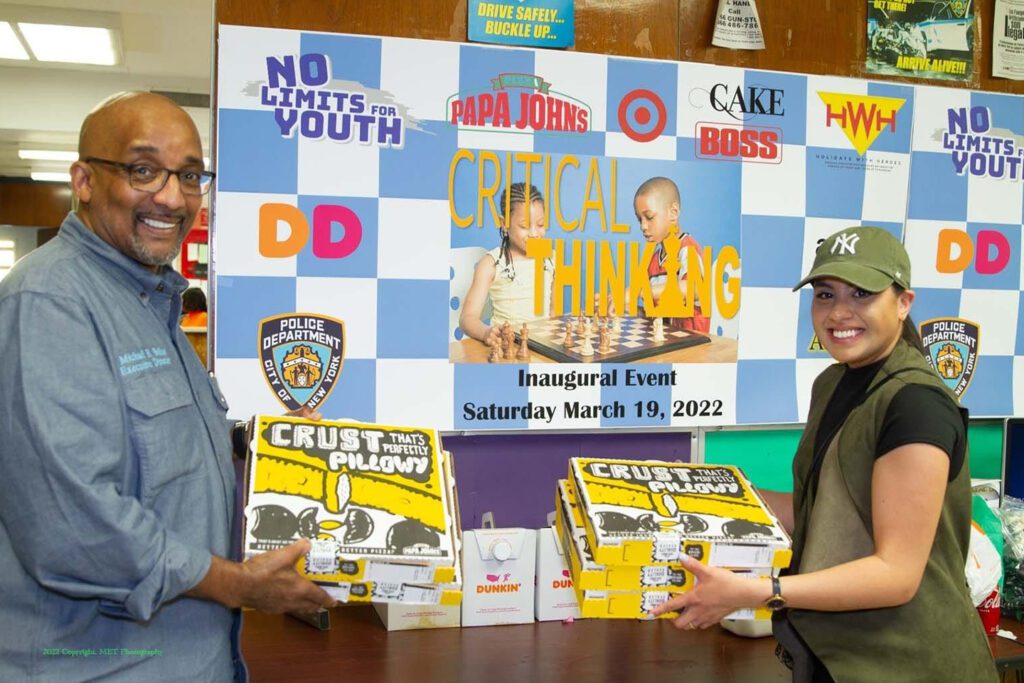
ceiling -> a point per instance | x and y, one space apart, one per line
167 46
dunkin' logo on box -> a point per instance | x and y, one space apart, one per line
499 583
564 582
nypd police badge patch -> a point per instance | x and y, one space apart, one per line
952 348
301 357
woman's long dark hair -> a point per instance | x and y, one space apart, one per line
909 332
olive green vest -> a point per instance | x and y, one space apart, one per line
937 636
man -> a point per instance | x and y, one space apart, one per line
116 500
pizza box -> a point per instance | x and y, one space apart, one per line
634 604
668 577
375 501
639 512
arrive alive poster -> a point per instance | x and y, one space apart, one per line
921 38
359 185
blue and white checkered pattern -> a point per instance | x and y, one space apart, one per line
393 293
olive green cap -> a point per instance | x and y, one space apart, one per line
866 257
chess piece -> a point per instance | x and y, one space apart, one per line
508 338
603 343
616 323
495 355
587 349
524 336
568 342
658 330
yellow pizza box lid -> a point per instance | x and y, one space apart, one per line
360 492
644 511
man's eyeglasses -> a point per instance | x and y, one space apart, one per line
153 178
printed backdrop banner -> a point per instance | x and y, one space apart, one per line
365 182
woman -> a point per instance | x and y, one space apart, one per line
193 308
880 512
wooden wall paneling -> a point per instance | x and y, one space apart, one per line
642 28
435 20
34 204
637 28
824 37
827 37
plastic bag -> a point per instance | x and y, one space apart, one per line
1011 511
984 567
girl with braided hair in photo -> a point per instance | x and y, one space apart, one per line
506 274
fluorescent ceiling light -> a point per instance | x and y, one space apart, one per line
51 176
10 46
76 44
47 155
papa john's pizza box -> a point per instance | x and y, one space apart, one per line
555 599
399 617
498 567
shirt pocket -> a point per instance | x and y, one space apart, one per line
159 410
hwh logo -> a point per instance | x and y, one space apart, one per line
861 117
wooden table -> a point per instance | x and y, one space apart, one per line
357 649
718 350
1009 654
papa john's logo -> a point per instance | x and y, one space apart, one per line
519 103
952 346
301 357
861 117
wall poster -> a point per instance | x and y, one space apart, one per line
382 204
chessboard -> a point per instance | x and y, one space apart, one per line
633 340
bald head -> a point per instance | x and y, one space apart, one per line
106 122
664 188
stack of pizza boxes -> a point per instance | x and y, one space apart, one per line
627 523
377 503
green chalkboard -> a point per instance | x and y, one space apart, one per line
766 455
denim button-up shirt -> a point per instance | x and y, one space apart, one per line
116 482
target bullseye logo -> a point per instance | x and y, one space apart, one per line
635 115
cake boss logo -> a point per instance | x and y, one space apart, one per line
305 101
301 356
952 346
519 103
744 143
861 117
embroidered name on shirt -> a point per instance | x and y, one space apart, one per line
146 358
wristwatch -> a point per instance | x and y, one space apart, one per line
776 601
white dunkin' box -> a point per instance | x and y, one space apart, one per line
555 598
499 567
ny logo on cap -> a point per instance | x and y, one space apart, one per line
845 243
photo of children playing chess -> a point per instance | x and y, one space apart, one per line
500 314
